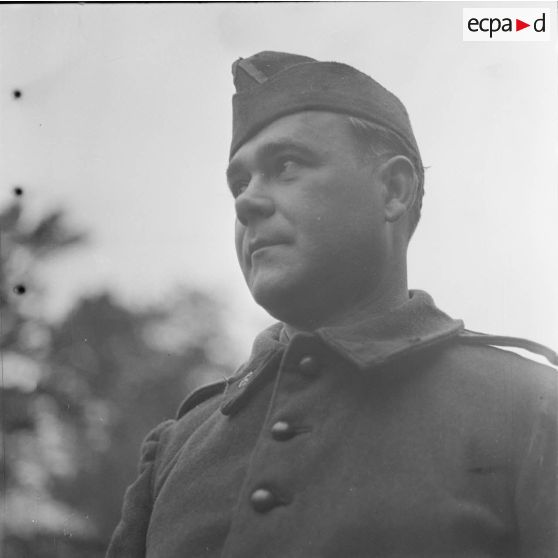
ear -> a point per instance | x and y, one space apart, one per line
400 182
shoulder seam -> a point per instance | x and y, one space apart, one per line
162 428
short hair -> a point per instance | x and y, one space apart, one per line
379 141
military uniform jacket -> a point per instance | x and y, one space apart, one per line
401 436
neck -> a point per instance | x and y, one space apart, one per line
381 301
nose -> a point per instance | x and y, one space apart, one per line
254 202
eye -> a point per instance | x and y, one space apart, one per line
238 186
286 165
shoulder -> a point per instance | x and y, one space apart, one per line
490 362
474 338
499 352
150 445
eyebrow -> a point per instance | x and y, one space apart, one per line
269 150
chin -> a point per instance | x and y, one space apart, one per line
271 300
273 296
285 300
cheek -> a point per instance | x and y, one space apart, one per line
238 241
346 228
342 214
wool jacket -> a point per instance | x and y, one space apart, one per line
400 436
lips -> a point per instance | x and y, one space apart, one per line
259 243
253 247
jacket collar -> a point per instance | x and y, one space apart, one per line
367 342
373 340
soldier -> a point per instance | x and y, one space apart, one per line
366 421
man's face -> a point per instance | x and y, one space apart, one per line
310 228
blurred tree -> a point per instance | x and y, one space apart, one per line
77 397
117 372
27 462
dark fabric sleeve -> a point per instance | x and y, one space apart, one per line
128 539
537 489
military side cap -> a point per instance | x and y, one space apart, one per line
270 85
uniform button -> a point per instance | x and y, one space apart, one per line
308 365
282 430
263 500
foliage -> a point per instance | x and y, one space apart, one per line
29 460
78 396
113 383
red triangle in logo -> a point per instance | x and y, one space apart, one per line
519 25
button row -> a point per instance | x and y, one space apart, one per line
262 499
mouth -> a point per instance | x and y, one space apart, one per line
260 245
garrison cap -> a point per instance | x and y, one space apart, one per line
270 85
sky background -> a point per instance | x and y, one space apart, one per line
125 121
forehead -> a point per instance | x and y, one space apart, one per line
317 130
